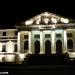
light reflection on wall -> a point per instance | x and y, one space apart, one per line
10 46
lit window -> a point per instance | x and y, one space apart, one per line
58 35
37 36
4 33
47 36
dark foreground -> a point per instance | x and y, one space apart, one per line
40 65
37 69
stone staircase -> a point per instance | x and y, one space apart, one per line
45 59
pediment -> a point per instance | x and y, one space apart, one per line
47 18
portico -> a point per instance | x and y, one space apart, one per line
42 36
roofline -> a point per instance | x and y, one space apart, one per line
7 29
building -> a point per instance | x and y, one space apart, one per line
46 33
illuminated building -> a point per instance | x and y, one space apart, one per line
46 33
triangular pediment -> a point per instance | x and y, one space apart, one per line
47 18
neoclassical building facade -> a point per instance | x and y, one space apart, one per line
46 33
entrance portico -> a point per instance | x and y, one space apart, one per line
42 36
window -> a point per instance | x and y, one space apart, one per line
25 36
37 36
59 47
37 47
15 47
70 44
58 35
69 34
15 32
47 36
4 48
47 47
26 45
4 33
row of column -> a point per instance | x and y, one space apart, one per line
53 50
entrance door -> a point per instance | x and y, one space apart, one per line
37 47
47 47
58 47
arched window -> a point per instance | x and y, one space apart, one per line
58 47
26 45
47 47
70 44
37 47
4 48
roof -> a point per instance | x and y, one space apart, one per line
46 18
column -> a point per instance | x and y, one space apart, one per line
18 44
53 50
0 46
65 41
30 43
41 43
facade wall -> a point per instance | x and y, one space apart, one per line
10 40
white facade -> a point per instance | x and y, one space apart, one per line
46 33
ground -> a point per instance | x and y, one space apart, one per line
37 69
58 67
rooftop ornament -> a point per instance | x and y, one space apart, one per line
46 20
29 22
64 20
38 20
46 14
53 20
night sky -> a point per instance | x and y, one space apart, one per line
15 12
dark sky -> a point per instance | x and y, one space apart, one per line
14 12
